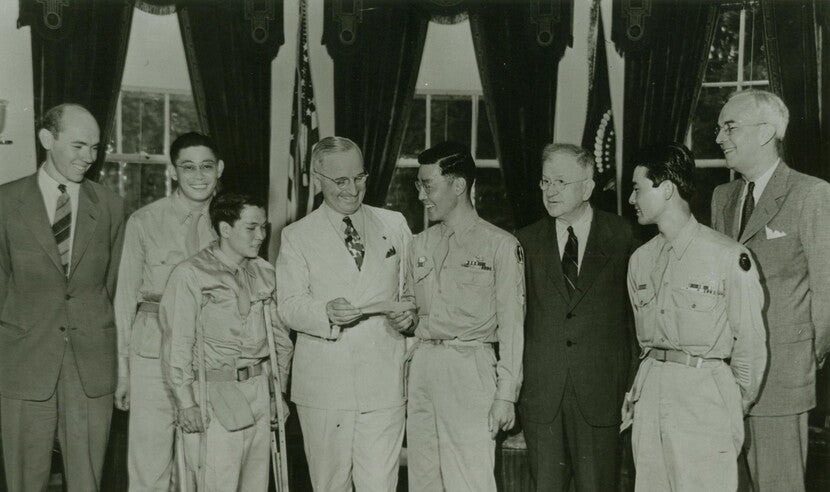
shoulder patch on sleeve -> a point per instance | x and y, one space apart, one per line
744 263
520 254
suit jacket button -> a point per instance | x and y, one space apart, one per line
63 328
67 297
569 315
569 343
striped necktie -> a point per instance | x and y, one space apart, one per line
62 227
570 261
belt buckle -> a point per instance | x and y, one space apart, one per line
243 373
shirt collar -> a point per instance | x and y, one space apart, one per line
580 224
181 209
681 242
465 224
50 183
336 218
228 263
761 182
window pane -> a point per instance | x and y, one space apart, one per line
143 183
183 116
451 119
110 176
491 199
414 140
403 197
755 57
142 116
486 149
705 118
723 57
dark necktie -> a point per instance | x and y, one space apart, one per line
191 242
749 206
62 227
570 261
353 243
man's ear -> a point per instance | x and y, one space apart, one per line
47 139
766 133
669 189
589 188
219 168
171 171
459 186
225 229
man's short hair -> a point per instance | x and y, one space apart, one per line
192 139
331 145
670 162
584 158
52 119
227 207
771 109
453 159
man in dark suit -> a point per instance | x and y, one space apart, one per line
783 218
579 335
60 240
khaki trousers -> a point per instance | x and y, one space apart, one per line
81 425
688 428
347 446
776 451
238 460
451 389
152 427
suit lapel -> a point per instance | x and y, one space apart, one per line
769 204
594 258
732 222
548 242
33 213
85 223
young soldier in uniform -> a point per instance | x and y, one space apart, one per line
159 236
212 318
697 307
468 281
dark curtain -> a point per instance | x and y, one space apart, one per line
666 45
78 52
790 36
518 47
824 12
376 47
229 46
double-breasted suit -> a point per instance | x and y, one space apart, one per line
578 356
47 317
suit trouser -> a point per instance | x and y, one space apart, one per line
236 460
776 451
451 389
569 447
152 427
688 427
81 424
345 446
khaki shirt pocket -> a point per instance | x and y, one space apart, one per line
645 304
695 317
474 295
159 266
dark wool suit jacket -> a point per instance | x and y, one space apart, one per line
590 337
39 306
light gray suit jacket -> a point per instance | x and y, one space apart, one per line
789 235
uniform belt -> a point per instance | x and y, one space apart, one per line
456 343
239 374
679 357
148 307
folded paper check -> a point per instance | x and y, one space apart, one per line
384 307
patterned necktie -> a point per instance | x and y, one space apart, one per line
749 206
353 243
62 227
570 261
191 242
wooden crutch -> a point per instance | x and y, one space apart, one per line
279 457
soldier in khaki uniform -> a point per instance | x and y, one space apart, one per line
158 237
468 281
212 315
697 305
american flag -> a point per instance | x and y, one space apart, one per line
305 131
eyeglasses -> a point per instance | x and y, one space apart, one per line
731 127
425 186
556 184
344 181
207 167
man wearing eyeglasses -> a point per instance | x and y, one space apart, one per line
783 217
468 281
580 354
159 236
339 283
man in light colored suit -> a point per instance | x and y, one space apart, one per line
783 217
333 266
61 241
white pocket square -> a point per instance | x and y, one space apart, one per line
773 234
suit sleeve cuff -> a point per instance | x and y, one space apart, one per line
184 395
507 390
123 367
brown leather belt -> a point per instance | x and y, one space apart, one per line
148 307
239 374
679 357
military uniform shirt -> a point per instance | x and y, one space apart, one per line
225 302
473 293
700 294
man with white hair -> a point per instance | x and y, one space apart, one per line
783 217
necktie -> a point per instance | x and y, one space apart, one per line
439 256
570 261
749 206
62 227
353 242
659 270
191 242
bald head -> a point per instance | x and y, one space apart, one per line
70 136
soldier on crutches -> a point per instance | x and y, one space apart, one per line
279 457
218 346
